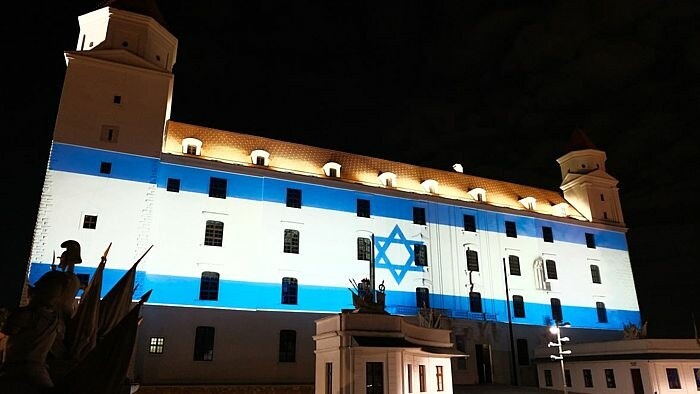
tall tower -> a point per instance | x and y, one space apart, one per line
586 184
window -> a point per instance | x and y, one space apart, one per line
556 310
105 167
469 223
173 185
209 286
288 346
364 249
602 197
204 344
610 378
510 230
191 149
551 269
595 274
419 215
217 187
214 233
439 378
329 378
260 160
472 260
523 351
548 377
587 378
90 221
294 198
109 133
567 377
475 302
374 377
333 172
514 265
363 210
409 374
289 291
590 240
291 241
674 381
422 297
421 378
518 306
547 234
602 313
156 345
117 99
421 254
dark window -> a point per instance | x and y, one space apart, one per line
260 160
209 286
551 269
90 221
332 172
173 185
602 197
109 133
523 351
469 223
610 378
518 306
590 240
548 377
105 167
364 249
418 215
602 313
440 378
156 345
217 187
204 344
595 274
422 297
547 234
291 241
374 377
363 208
472 260
289 291
294 198
514 265
118 100
556 310
567 377
214 233
191 149
421 377
288 346
409 374
510 230
475 302
84 280
421 254
329 378
587 378
674 381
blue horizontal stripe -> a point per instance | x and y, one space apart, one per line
135 168
175 290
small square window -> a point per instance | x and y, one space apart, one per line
117 99
90 221
590 240
294 198
332 172
511 231
421 254
105 167
260 160
156 345
191 149
363 208
469 223
547 234
173 185
419 215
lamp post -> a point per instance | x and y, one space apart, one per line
556 329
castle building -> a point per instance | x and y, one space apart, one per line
255 239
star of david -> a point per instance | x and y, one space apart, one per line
399 269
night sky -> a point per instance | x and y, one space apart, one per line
498 86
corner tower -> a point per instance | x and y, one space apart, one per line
586 184
118 85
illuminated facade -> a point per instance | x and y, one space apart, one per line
254 239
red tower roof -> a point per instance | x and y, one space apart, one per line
579 141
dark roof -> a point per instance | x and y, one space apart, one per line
143 7
579 141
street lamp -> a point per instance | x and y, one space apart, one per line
556 329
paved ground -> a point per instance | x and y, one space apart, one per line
500 389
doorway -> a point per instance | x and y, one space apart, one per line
374 378
637 383
483 363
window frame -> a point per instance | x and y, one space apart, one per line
548 378
676 383
364 249
555 305
422 294
157 346
475 304
550 268
420 254
547 234
290 291
514 265
595 274
587 377
421 378
511 229
89 222
363 208
287 350
518 306
472 260
293 198
601 312
440 378
590 240
204 343
291 241
214 233
469 223
209 286
419 216
610 378
218 187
